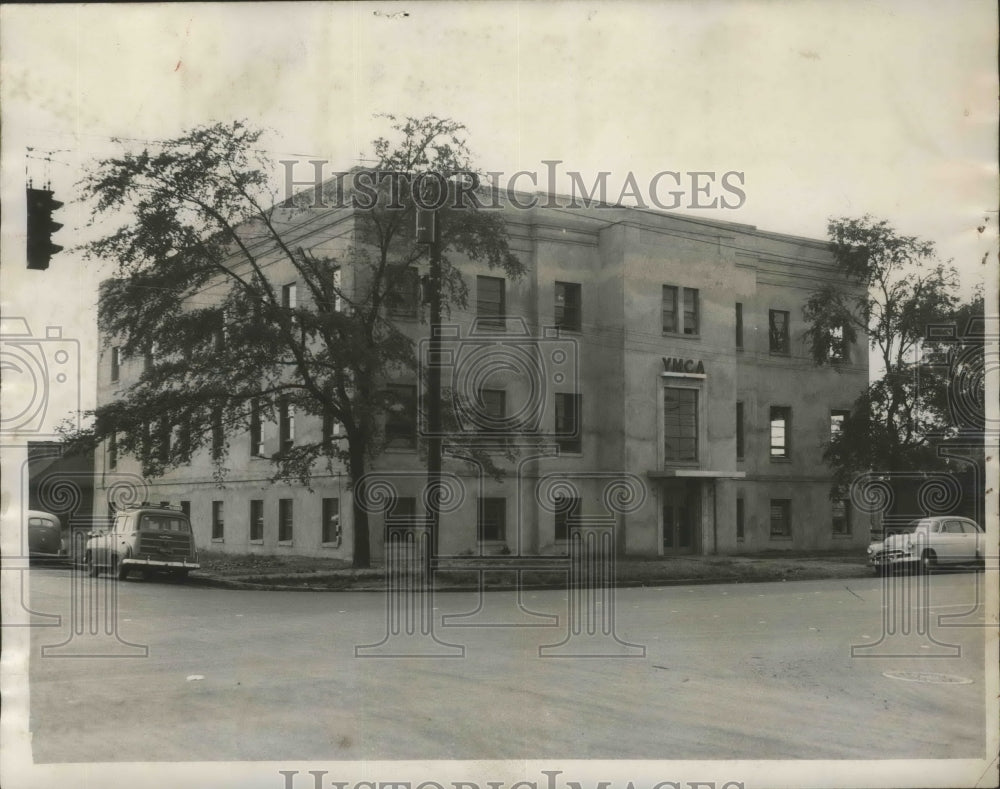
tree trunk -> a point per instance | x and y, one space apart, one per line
362 548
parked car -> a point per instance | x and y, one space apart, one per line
45 536
926 543
146 538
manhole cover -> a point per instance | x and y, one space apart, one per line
927 676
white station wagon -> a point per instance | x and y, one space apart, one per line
930 542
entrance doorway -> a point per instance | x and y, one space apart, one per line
680 519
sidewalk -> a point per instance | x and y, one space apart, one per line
301 573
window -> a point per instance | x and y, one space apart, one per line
494 409
286 424
186 508
184 434
841 516
740 519
401 511
256 520
288 296
330 526
777 321
164 430
401 419
403 296
568 433
116 363
680 425
839 349
567 510
285 520
331 429
491 306
218 521
256 435
739 326
219 332
492 519
837 419
740 445
113 451
685 322
781 418
568 307
334 301
781 522
218 436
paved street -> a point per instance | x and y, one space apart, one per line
730 671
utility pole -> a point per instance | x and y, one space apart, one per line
429 232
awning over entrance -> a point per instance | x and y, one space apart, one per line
694 473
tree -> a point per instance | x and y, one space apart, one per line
201 233
896 289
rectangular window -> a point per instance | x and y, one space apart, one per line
740 445
492 519
686 321
256 520
494 409
116 363
568 422
256 434
841 516
401 511
288 296
403 296
680 425
740 519
285 515
739 325
331 521
113 450
164 431
837 419
331 429
568 314
839 351
491 306
401 418
186 508
335 299
690 311
565 518
218 522
781 520
286 424
777 322
219 332
218 435
781 428
184 434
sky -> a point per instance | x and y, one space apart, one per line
827 109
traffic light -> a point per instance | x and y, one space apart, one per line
41 227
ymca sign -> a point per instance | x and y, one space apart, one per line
686 368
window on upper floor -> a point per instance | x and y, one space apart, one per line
286 423
781 426
116 363
837 419
403 296
777 321
739 326
740 445
401 417
256 432
568 307
680 425
491 301
680 310
568 422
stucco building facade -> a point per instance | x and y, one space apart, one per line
653 356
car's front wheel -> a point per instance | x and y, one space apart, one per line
121 570
89 566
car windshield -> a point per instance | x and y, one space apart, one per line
164 523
